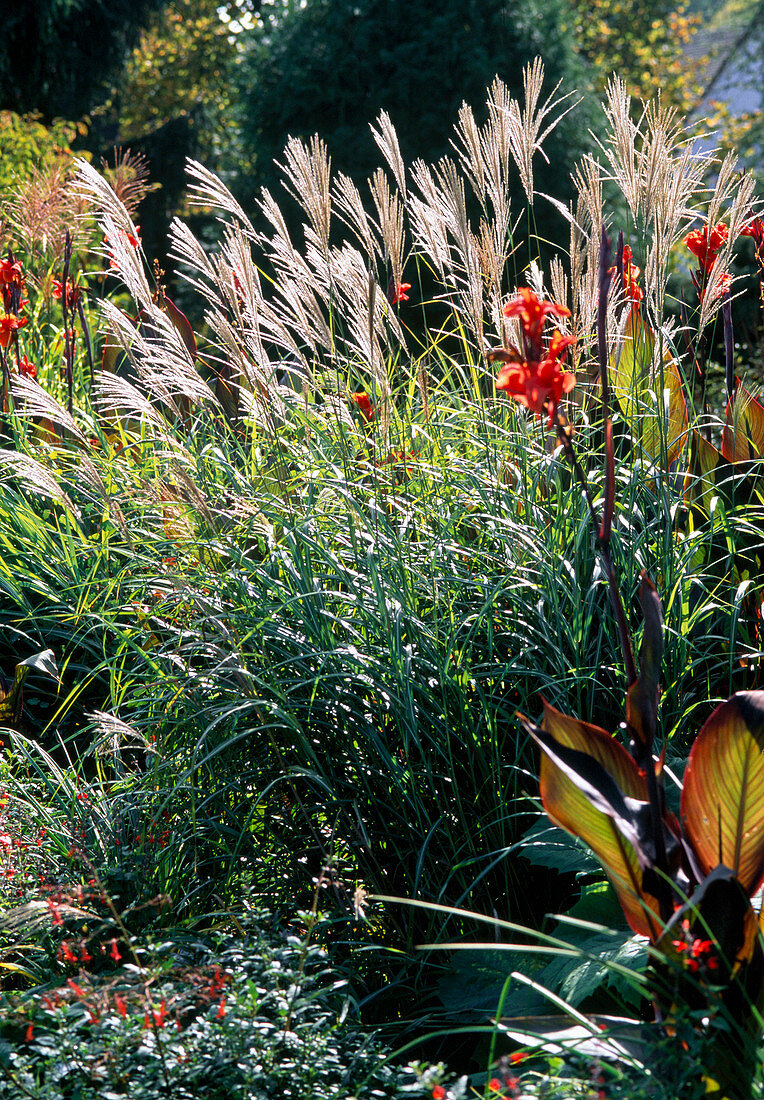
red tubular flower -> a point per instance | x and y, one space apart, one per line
396 292
363 404
121 1006
9 327
706 243
537 380
73 292
28 370
630 275
532 312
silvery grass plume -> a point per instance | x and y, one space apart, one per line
733 201
112 734
36 478
526 137
160 362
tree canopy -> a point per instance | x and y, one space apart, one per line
330 66
59 58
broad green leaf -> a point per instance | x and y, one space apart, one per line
634 376
723 792
568 806
743 436
43 661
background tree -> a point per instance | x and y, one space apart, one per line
174 101
60 57
643 41
330 66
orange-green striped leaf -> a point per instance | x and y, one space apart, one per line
723 792
568 806
743 436
635 374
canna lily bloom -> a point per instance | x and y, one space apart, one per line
9 327
363 404
396 292
630 276
27 369
706 243
12 285
73 292
755 229
532 312
535 378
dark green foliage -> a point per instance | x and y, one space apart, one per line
331 66
253 1017
58 56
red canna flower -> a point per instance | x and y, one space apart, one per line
28 370
9 327
121 1006
114 953
11 273
538 384
533 312
706 244
755 228
12 285
221 1009
396 292
363 404
30 1034
630 276
73 292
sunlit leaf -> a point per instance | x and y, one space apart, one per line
743 437
568 806
635 374
43 661
723 793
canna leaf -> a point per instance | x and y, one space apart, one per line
634 374
642 696
723 792
591 787
743 436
